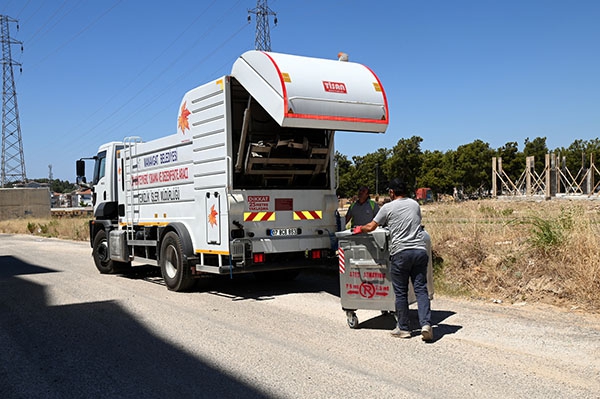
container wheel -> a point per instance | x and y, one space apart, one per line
352 319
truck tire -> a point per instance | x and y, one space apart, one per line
101 256
173 266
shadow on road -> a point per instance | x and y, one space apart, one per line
387 321
246 286
92 350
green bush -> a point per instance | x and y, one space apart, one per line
547 235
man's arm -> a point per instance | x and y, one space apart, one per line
372 225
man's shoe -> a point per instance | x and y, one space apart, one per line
398 333
427 333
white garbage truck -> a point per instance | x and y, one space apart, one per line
248 181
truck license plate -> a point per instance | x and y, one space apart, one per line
283 232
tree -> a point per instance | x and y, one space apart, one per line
577 155
437 172
513 161
538 149
467 168
473 166
58 186
345 172
405 161
62 186
369 170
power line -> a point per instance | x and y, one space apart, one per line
43 26
118 122
138 75
184 74
111 123
88 26
40 6
23 8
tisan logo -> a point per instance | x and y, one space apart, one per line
334 87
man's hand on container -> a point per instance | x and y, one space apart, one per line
357 230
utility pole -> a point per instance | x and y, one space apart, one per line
13 162
262 11
377 178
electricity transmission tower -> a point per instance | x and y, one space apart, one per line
13 162
263 38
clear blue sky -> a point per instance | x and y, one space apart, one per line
454 71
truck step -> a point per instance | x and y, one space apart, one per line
209 269
142 243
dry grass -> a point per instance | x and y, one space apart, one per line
517 251
65 228
514 251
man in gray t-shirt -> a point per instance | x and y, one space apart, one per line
402 216
408 256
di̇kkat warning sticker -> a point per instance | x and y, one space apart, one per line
258 202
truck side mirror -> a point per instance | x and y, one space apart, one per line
80 166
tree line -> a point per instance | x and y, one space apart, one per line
55 185
468 168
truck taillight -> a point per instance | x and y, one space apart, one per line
258 258
315 254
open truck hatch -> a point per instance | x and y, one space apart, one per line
270 155
312 93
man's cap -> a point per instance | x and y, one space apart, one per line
364 188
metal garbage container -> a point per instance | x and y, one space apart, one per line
365 279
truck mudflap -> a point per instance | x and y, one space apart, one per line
314 93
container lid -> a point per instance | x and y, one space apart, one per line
314 93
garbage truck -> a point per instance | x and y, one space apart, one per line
247 184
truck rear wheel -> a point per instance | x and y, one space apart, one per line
102 258
173 266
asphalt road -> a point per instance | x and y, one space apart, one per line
68 332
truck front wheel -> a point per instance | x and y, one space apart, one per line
173 266
102 258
